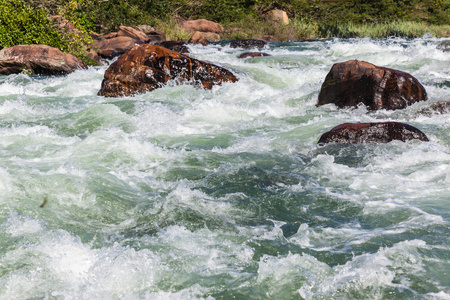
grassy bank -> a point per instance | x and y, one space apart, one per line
27 21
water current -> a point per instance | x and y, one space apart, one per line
185 193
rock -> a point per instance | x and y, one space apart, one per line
353 82
436 108
198 38
444 46
211 36
202 25
176 46
132 33
372 133
156 36
148 67
110 35
277 16
91 54
37 59
108 54
145 28
119 44
97 36
247 43
252 54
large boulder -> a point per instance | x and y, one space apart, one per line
120 44
353 82
371 133
37 59
148 67
132 33
202 25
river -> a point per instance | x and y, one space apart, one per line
186 193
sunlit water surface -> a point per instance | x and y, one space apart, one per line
185 193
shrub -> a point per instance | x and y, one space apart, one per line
21 24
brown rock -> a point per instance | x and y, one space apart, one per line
132 33
110 35
91 54
372 133
198 38
353 82
252 54
108 54
119 44
277 16
37 59
202 25
156 36
148 67
97 36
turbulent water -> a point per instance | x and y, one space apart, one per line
185 193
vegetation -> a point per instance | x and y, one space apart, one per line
26 21
20 24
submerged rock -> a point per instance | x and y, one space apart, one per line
436 108
253 54
148 67
372 133
444 46
37 59
351 83
248 43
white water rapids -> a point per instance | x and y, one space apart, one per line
185 193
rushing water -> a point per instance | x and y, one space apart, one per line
185 193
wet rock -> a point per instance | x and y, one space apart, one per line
436 108
37 59
248 43
148 67
371 133
444 46
351 83
253 54
176 46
